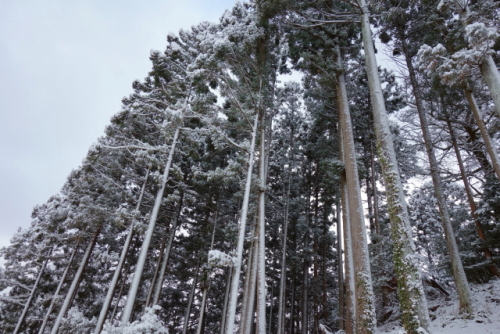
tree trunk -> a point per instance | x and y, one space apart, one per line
261 273
32 293
248 304
205 286
127 310
76 280
226 297
118 270
120 292
411 293
159 284
350 299
492 268
340 271
490 147
365 314
241 237
292 305
281 304
190 300
305 292
451 243
58 289
374 188
155 275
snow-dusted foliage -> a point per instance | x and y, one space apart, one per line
217 258
148 324
76 323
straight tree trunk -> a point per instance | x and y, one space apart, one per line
32 293
205 286
58 289
281 303
490 147
410 290
76 280
451 243
190 300
292 305
134 286
248 305
340 271
120 293
118 270
305 292
159 284
241 237
226 297
350 287
155 275
261 273
366 321
374 188
492 268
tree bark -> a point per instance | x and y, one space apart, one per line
349 286
76 280
261 273
410 290
490 147
248 304
340 271
134 286
451 243
226 297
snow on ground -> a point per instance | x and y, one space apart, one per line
447 320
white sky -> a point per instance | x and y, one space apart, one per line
64 68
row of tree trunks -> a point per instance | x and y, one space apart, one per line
119 267
32 293
134 286
58 289
492 268
76 281
191 298
451 243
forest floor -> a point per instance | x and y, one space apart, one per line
447 320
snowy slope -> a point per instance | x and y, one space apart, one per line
447 320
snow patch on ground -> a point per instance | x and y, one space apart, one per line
447 320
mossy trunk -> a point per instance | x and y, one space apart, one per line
414 313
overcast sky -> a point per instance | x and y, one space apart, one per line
64 68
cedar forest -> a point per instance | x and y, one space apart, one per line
224 199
